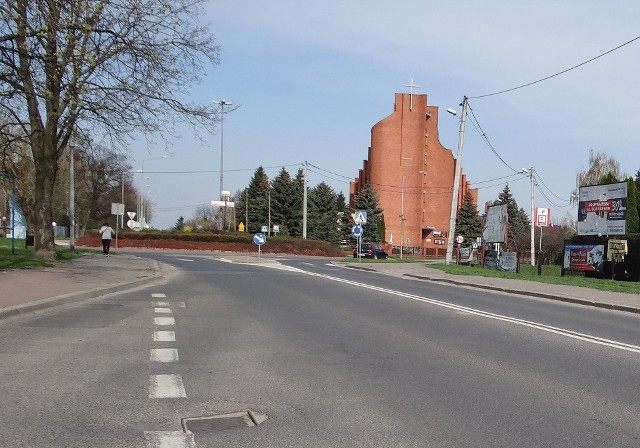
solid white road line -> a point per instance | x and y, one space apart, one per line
163 355
158 295
592 339
164 336
166 386
169 439
164 321
162 310
161 304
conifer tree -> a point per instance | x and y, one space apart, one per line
295 218
323 214
283 201
344 218
633 220
258 198
468 222
519 223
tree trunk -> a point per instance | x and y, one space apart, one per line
45 168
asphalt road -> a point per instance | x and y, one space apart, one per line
333 357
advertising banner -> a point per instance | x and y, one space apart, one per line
495 225
583 257
616 250
602 209
508 261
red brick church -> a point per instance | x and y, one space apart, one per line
412 175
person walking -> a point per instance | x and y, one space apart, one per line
107 233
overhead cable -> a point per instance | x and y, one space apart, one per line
557 74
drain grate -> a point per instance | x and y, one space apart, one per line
222 422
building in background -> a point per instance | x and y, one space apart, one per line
412 175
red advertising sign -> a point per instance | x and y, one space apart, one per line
583 257
598 206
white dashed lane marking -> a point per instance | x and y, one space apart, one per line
169 439
164 321
164 336
158 294
162 310
166 386
163 355
155 304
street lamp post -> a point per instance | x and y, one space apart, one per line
140 198
456 181
222 103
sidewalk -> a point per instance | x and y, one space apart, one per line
86 276
573 294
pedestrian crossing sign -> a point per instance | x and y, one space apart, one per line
360 217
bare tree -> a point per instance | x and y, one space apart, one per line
600 165
109 66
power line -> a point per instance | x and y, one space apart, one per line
545 185
476 125
557 74
550 201
330 172
498 178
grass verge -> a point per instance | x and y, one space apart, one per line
21 257
550 274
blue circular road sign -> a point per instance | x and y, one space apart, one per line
259 239
357 231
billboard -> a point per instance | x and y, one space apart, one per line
602 209
583 257
495 225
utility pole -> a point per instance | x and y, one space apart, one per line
456 184
304 203
533 210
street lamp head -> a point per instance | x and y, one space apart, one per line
452 111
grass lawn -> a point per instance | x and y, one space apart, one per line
24 258
550 274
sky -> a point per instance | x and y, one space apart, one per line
308 80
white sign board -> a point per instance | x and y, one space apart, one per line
223 204
543 217
602 209
117 209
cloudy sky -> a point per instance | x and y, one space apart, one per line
312 78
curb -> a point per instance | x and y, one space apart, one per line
79 296
540 295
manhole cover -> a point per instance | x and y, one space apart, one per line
221 422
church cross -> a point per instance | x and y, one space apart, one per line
411 87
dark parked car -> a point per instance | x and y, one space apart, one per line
370 250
